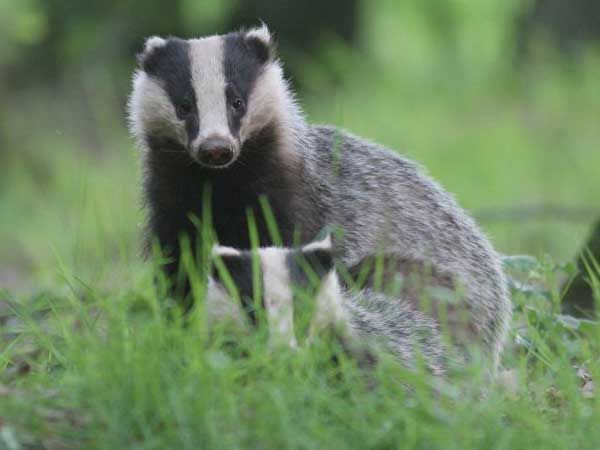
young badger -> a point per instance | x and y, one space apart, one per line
216 111
362 320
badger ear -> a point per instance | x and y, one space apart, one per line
260 41
323 244
227 255
221 250
150 46
319 255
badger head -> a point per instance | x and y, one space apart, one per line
284 272
205 98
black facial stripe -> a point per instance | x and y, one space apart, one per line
321 260
242 64
299 262
298 276
240 269
192 126
171 64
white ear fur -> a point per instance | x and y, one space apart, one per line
261 33
323 244
153 42
221 250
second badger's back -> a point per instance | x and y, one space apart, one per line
364 321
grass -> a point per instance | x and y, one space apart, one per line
88 358
106 369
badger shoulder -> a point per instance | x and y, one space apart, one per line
385 201
382 187
354 163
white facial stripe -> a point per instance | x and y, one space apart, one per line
278 297
150 109
265 102
208 80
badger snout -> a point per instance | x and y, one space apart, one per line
215 152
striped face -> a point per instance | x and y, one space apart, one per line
205 97
282 269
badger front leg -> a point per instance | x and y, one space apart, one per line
278 299
280 319
330 311
332 314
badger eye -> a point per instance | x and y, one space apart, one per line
237 103
184 108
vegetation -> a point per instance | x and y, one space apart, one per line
86 368
89 358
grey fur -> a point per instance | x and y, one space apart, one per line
329 177
385 203
396 326
365 321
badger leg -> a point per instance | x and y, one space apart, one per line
280 318
329 308
221 307
278 300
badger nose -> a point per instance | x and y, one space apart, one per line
215 152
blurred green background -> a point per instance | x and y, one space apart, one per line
499 100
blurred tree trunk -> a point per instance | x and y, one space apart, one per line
301 24
570 24
579 298
300 27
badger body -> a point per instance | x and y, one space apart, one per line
217 112
364 321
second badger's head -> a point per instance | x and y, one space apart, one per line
287 275
205 98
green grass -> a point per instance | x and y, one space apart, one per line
106 369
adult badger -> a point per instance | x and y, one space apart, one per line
217 111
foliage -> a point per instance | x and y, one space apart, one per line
91 369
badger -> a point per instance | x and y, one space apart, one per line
364 321
219 127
